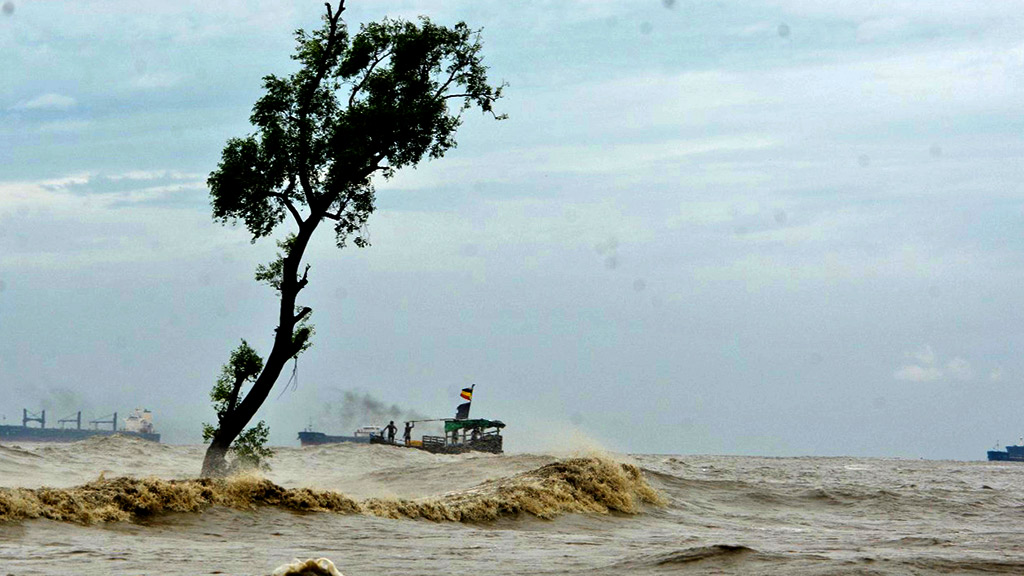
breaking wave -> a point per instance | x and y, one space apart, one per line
578 485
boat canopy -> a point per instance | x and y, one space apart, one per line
452 425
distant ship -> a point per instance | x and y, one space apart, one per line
362 435
1011 454
139 424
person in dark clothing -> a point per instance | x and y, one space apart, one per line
391 429
408 432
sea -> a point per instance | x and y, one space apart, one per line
119 505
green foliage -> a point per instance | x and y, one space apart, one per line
302 337
250 449
244 366
273 273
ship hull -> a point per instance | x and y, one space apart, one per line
437 445
25 434
1011 454
318 438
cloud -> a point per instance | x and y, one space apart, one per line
928 368
924 355
48 101
155 81
915 373
64 126
959 369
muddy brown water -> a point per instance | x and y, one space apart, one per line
532 513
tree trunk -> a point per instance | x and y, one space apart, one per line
215 464
233 422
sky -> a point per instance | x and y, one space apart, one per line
775 228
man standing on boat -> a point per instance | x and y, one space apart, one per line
408 433
391 429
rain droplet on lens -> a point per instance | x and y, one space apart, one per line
8 8
668 4
639 284
863 160
781 217
646 27
784 30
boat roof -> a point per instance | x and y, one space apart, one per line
451 425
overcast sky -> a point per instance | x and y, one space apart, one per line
780 228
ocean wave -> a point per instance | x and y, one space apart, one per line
578 485
701 557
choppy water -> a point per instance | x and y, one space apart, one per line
716 515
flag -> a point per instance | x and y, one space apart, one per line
462 411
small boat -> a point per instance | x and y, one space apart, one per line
461 434
476 435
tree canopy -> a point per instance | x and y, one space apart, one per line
369 103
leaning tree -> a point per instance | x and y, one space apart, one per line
360 106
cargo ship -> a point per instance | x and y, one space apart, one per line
139 424
308 437
1011 454
461 434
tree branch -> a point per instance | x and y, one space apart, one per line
302 281
302 314
447 83
288 204
307 96
233 398
358 87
